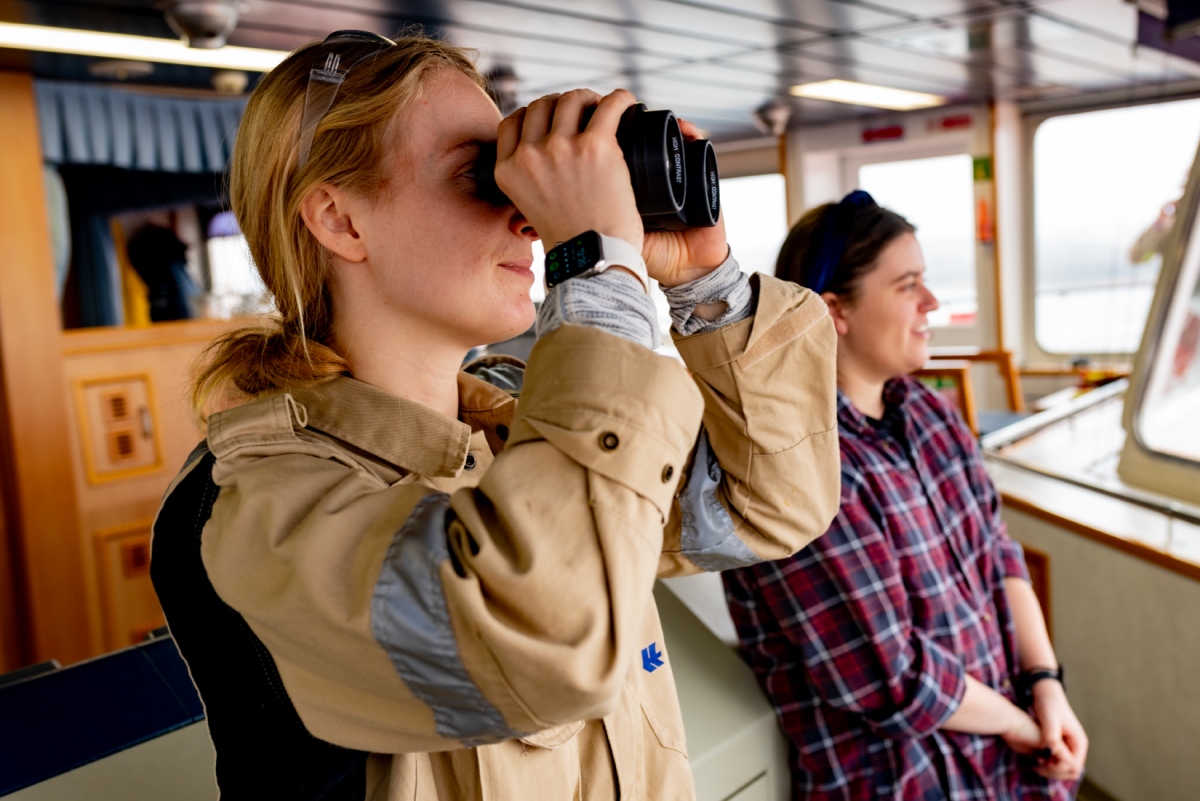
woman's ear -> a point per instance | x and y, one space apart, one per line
837 310
326 212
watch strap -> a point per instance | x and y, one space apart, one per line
1028 678
619 253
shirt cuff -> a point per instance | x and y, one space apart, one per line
726 283
613 301
1012 558
932 688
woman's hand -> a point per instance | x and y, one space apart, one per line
1061 732
1022 734
678 257
565 181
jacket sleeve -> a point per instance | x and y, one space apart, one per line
843 605
763 477
404 619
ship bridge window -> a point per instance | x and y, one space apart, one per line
936 195
1167 420
1105 187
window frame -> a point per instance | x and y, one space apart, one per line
956 144
1139 463
855 158
1032 351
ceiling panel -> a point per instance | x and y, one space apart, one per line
711 60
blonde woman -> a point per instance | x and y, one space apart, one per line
389 577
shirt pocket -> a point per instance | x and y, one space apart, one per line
646 737
660 709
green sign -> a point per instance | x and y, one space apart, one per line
982 165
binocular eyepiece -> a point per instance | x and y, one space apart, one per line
676 184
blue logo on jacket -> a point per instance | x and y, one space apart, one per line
652 660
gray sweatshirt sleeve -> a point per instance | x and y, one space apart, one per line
726 283
613 301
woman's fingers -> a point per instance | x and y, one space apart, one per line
509 133
608 113
538 117
569 112
689 130
565 182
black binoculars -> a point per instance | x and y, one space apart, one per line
675 183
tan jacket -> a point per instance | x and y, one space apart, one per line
470 600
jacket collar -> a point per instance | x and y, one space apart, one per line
402 432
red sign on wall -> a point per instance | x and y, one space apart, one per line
883 134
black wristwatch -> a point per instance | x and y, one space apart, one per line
1027 678
592 251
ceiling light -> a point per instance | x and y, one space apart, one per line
865 94
141 48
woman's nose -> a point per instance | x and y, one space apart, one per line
520 226
929 302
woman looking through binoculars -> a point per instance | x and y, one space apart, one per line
389 577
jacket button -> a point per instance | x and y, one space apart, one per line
668 471
609 441
470 461
502 433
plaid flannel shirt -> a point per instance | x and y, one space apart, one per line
862 640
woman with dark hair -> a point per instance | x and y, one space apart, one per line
904 651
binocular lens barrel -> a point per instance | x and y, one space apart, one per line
675 183
702 207
653 148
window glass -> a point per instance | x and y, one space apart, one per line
937 195
235 286
1167 419
1105 186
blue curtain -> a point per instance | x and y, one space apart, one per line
85 124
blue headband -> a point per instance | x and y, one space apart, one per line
829 241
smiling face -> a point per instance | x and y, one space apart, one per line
884 331
435 251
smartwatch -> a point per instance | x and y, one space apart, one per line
593 252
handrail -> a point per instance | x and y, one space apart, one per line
1170 509
992 443
1031 425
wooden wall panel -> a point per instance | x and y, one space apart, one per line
38 453
114 508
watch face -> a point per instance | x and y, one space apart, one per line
573 257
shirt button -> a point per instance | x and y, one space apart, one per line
502 433
987 616
668 471
470 461
1006 685
609 441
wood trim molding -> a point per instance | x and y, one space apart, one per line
159 335
1038 564
1137 550
37 454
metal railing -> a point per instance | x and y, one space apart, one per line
1009 435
